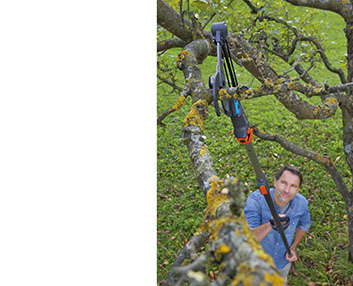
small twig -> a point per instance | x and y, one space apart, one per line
181 11
176 106
307 70
254 10
209 20
173 85
293 66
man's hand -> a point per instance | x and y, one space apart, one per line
293 257
298 237
283 219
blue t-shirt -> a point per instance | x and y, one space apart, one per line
258 213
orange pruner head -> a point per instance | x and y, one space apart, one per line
248 138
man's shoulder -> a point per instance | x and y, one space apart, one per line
255 194
300 199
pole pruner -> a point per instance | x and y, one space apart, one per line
225 75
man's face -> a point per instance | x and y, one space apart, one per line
286 187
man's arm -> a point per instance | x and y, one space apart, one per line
262 230
299 234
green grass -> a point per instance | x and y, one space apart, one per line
181 203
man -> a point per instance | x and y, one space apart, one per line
288 203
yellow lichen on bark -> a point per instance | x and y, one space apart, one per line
204 150
279 80
214 200
309 88
222 250
331 100
197 115
277 87
224 95
197 275
214 226
244 276
214 196
291 84
318 90
316 110
183 54
179 103
246 58
326 160
252 241
273 280
250 93
268 83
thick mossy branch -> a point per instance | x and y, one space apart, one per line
197 115
170 19
193 138
233 246
170 44
322 111
200 156
241 258
255 63
188 61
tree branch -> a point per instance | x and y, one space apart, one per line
324 160
258 66
170 44
301 108
173 85
170 110
232 244
170 19
209 19
336 6
324 57
254 10
347 137
300 38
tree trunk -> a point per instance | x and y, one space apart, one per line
348 130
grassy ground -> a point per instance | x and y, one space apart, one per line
180 202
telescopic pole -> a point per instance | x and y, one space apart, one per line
234 110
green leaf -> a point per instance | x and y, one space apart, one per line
200 4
